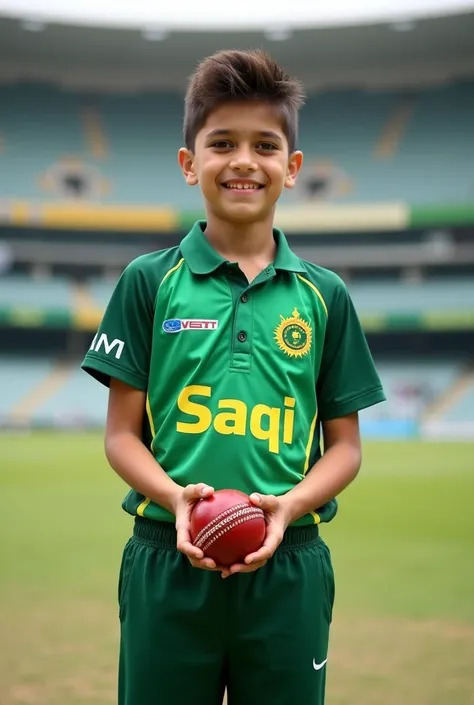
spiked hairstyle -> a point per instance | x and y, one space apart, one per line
241 75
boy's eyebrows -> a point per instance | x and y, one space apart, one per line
222 132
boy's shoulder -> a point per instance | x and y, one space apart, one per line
156 260
328 283
148 271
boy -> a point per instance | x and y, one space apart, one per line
231 359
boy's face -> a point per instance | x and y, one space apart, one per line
241 162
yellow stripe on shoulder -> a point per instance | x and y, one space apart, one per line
173 269
316 291
141 507
316 517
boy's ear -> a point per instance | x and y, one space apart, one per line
186 162
295 162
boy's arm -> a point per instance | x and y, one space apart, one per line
328 477
134 463
337 468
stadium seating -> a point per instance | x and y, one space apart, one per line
463 408
435 296
35 293
440 141
343 128
145 134
411 386
79 401
18 377
432 162
39 124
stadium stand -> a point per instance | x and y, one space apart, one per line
343 127
35 292
35 390
122 148
40 124
145 134
18 376
412 386
434 296
440 137
79 401
463 407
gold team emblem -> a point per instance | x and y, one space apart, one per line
293 335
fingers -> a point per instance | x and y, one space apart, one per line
243 568
185 546
267 502
197 558
263 554
192 492
209 564
204 564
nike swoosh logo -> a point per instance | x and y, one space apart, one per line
318 666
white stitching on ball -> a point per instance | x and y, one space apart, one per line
224 522
218 519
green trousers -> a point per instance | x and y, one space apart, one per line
186 634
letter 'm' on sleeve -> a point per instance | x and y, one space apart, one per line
122 345
348 380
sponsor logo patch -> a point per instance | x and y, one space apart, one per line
176 325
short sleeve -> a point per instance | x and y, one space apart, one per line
347 380
121 347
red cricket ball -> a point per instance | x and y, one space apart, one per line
227 527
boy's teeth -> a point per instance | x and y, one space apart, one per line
240 186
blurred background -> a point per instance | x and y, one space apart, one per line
91 105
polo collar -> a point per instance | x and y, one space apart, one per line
285 258
202 258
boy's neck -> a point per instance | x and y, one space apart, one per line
240 243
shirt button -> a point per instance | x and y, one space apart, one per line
244 298
242 336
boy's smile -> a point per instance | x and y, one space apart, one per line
241 161
246 185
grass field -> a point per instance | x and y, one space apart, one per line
403 551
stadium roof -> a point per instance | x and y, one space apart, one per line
410 52
245 15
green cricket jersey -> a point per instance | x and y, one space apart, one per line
238 377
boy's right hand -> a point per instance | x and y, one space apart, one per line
185 502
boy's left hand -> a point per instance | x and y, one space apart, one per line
277 522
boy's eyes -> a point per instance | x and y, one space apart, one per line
261 146
221 145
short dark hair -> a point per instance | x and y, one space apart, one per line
241 75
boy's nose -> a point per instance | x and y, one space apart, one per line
243 161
